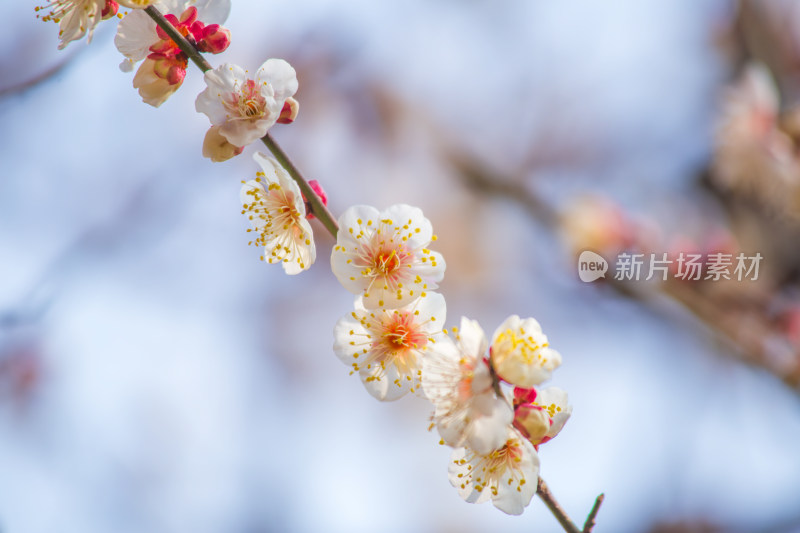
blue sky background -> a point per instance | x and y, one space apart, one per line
182 385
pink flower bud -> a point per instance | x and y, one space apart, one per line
317 188
110 10
214 39
172 70
524 395
289 112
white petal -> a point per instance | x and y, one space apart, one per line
136 33
471 338
244 132
388 386
220 83
404 214
280 76
213 11
458 472
489 431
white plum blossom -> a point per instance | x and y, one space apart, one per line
457 380
508 475
540 415
387 346
275 207
383 255
521 354
76 18
245 107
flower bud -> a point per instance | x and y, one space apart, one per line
214 39
317 188
153 89
532 421
109 10
289 111
217 148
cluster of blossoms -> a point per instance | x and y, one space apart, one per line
394 337
240 107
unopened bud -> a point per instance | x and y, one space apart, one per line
153 89
532 421
289 111
109 10
217 148
215 39
317 188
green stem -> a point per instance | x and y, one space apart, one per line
317 208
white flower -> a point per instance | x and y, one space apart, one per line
521 354
508 475
275 208
541 414
386 346
246 107
136 32
75 18
456 378
384 256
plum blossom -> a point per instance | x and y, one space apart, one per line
139 38
457 379
387 346
76 18
539 415
383 255
508 475
245 107
274 205
521 354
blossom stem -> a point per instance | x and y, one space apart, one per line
178 38
543 491
318 208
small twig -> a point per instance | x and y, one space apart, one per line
317 207
543 491
590 520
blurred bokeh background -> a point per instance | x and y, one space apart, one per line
155 376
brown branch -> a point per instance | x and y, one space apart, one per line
590 520
745 334
543 491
